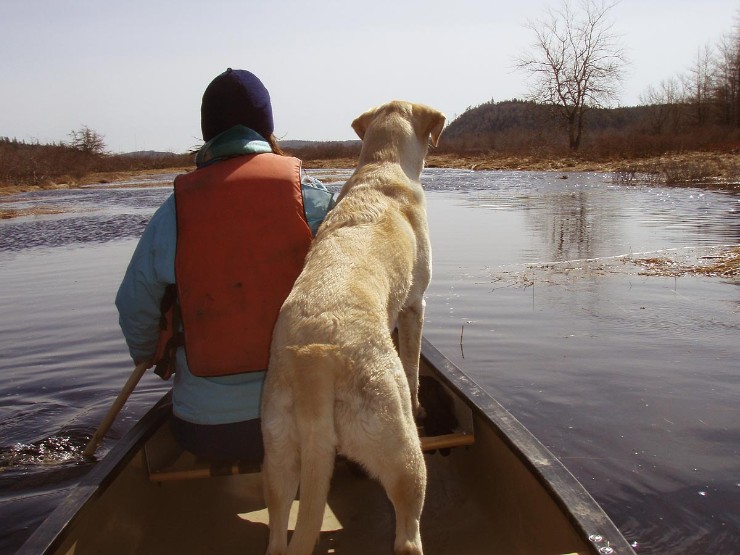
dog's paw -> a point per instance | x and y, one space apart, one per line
408 548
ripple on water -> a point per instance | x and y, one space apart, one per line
61 231
59 449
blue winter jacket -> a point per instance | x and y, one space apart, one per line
220 400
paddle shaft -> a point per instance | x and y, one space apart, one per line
115 408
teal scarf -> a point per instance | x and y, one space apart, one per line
235 141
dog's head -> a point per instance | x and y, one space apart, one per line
407 127
426 121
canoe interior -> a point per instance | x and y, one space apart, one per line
483 498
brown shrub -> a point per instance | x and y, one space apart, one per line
41 164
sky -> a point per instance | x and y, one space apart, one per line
135 71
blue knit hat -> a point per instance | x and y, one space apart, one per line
236 97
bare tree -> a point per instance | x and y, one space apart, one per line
699 84
665 104
87 140
575 63
727 78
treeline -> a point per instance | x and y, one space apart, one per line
707 93
23 163
521 128
324 150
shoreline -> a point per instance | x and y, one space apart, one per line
699 168
718 164
95 178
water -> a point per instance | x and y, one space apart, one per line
631 380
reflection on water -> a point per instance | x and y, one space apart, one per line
631 380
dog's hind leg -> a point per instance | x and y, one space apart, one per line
281 471
315 367
280 485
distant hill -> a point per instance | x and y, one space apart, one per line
497 117
515 123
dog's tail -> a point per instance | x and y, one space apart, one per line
315 369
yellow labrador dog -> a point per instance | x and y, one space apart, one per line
335 382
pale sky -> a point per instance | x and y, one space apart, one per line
135 70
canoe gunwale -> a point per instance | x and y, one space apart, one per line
564 488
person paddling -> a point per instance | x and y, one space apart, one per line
223 250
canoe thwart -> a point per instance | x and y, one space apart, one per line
446 441
185 466
448 424
184 470
167 461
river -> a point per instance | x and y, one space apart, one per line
540 293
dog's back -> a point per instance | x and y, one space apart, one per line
342 282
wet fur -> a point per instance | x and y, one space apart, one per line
336 382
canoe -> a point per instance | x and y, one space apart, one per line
492 488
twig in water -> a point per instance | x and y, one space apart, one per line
462 331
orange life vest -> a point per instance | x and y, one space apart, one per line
242 238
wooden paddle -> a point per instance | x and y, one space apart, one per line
115 408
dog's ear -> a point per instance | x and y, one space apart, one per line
431 121
434 122
436 126
361 122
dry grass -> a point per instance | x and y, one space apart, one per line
7 213
686 168
709 262
136 177
310 164
723 264
131 175
677 168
